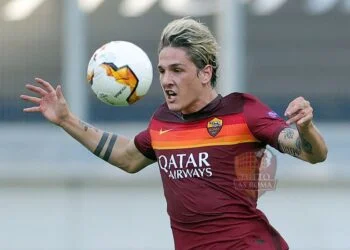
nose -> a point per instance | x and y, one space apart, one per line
166 79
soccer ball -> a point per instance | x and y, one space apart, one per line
120 73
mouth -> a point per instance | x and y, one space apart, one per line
170 95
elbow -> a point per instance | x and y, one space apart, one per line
320 158
324 155
126 168
131 169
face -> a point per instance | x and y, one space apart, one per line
185 88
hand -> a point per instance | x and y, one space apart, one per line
299 112
51 102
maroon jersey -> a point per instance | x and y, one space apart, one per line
208 161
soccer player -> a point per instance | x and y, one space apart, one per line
206 145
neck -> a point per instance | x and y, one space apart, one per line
204 100
209 97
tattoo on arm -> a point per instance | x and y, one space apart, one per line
306 145
102 143
288 133
86 126
294 148
110 148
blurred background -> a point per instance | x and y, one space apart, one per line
55 195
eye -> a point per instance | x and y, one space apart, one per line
161 71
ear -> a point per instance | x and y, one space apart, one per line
205 74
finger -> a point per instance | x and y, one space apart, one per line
295 118
287 111
305 119
47 86
295 105
33 99
292 110
37 90
59 92
32 109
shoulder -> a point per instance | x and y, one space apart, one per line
241 98
264 123
240 101
231 103
253 103
254 109
251 99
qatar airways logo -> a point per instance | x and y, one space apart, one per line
180 166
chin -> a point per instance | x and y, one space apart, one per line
173 107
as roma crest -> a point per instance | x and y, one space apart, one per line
214 126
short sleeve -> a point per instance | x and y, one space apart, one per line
264 123
143 144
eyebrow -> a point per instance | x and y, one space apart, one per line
171 65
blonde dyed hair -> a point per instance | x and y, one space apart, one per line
196 39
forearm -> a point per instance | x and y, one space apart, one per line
100 143
312 144
82 132
117 150
305 143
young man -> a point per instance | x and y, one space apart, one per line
198 138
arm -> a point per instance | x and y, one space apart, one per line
117 150
305 142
